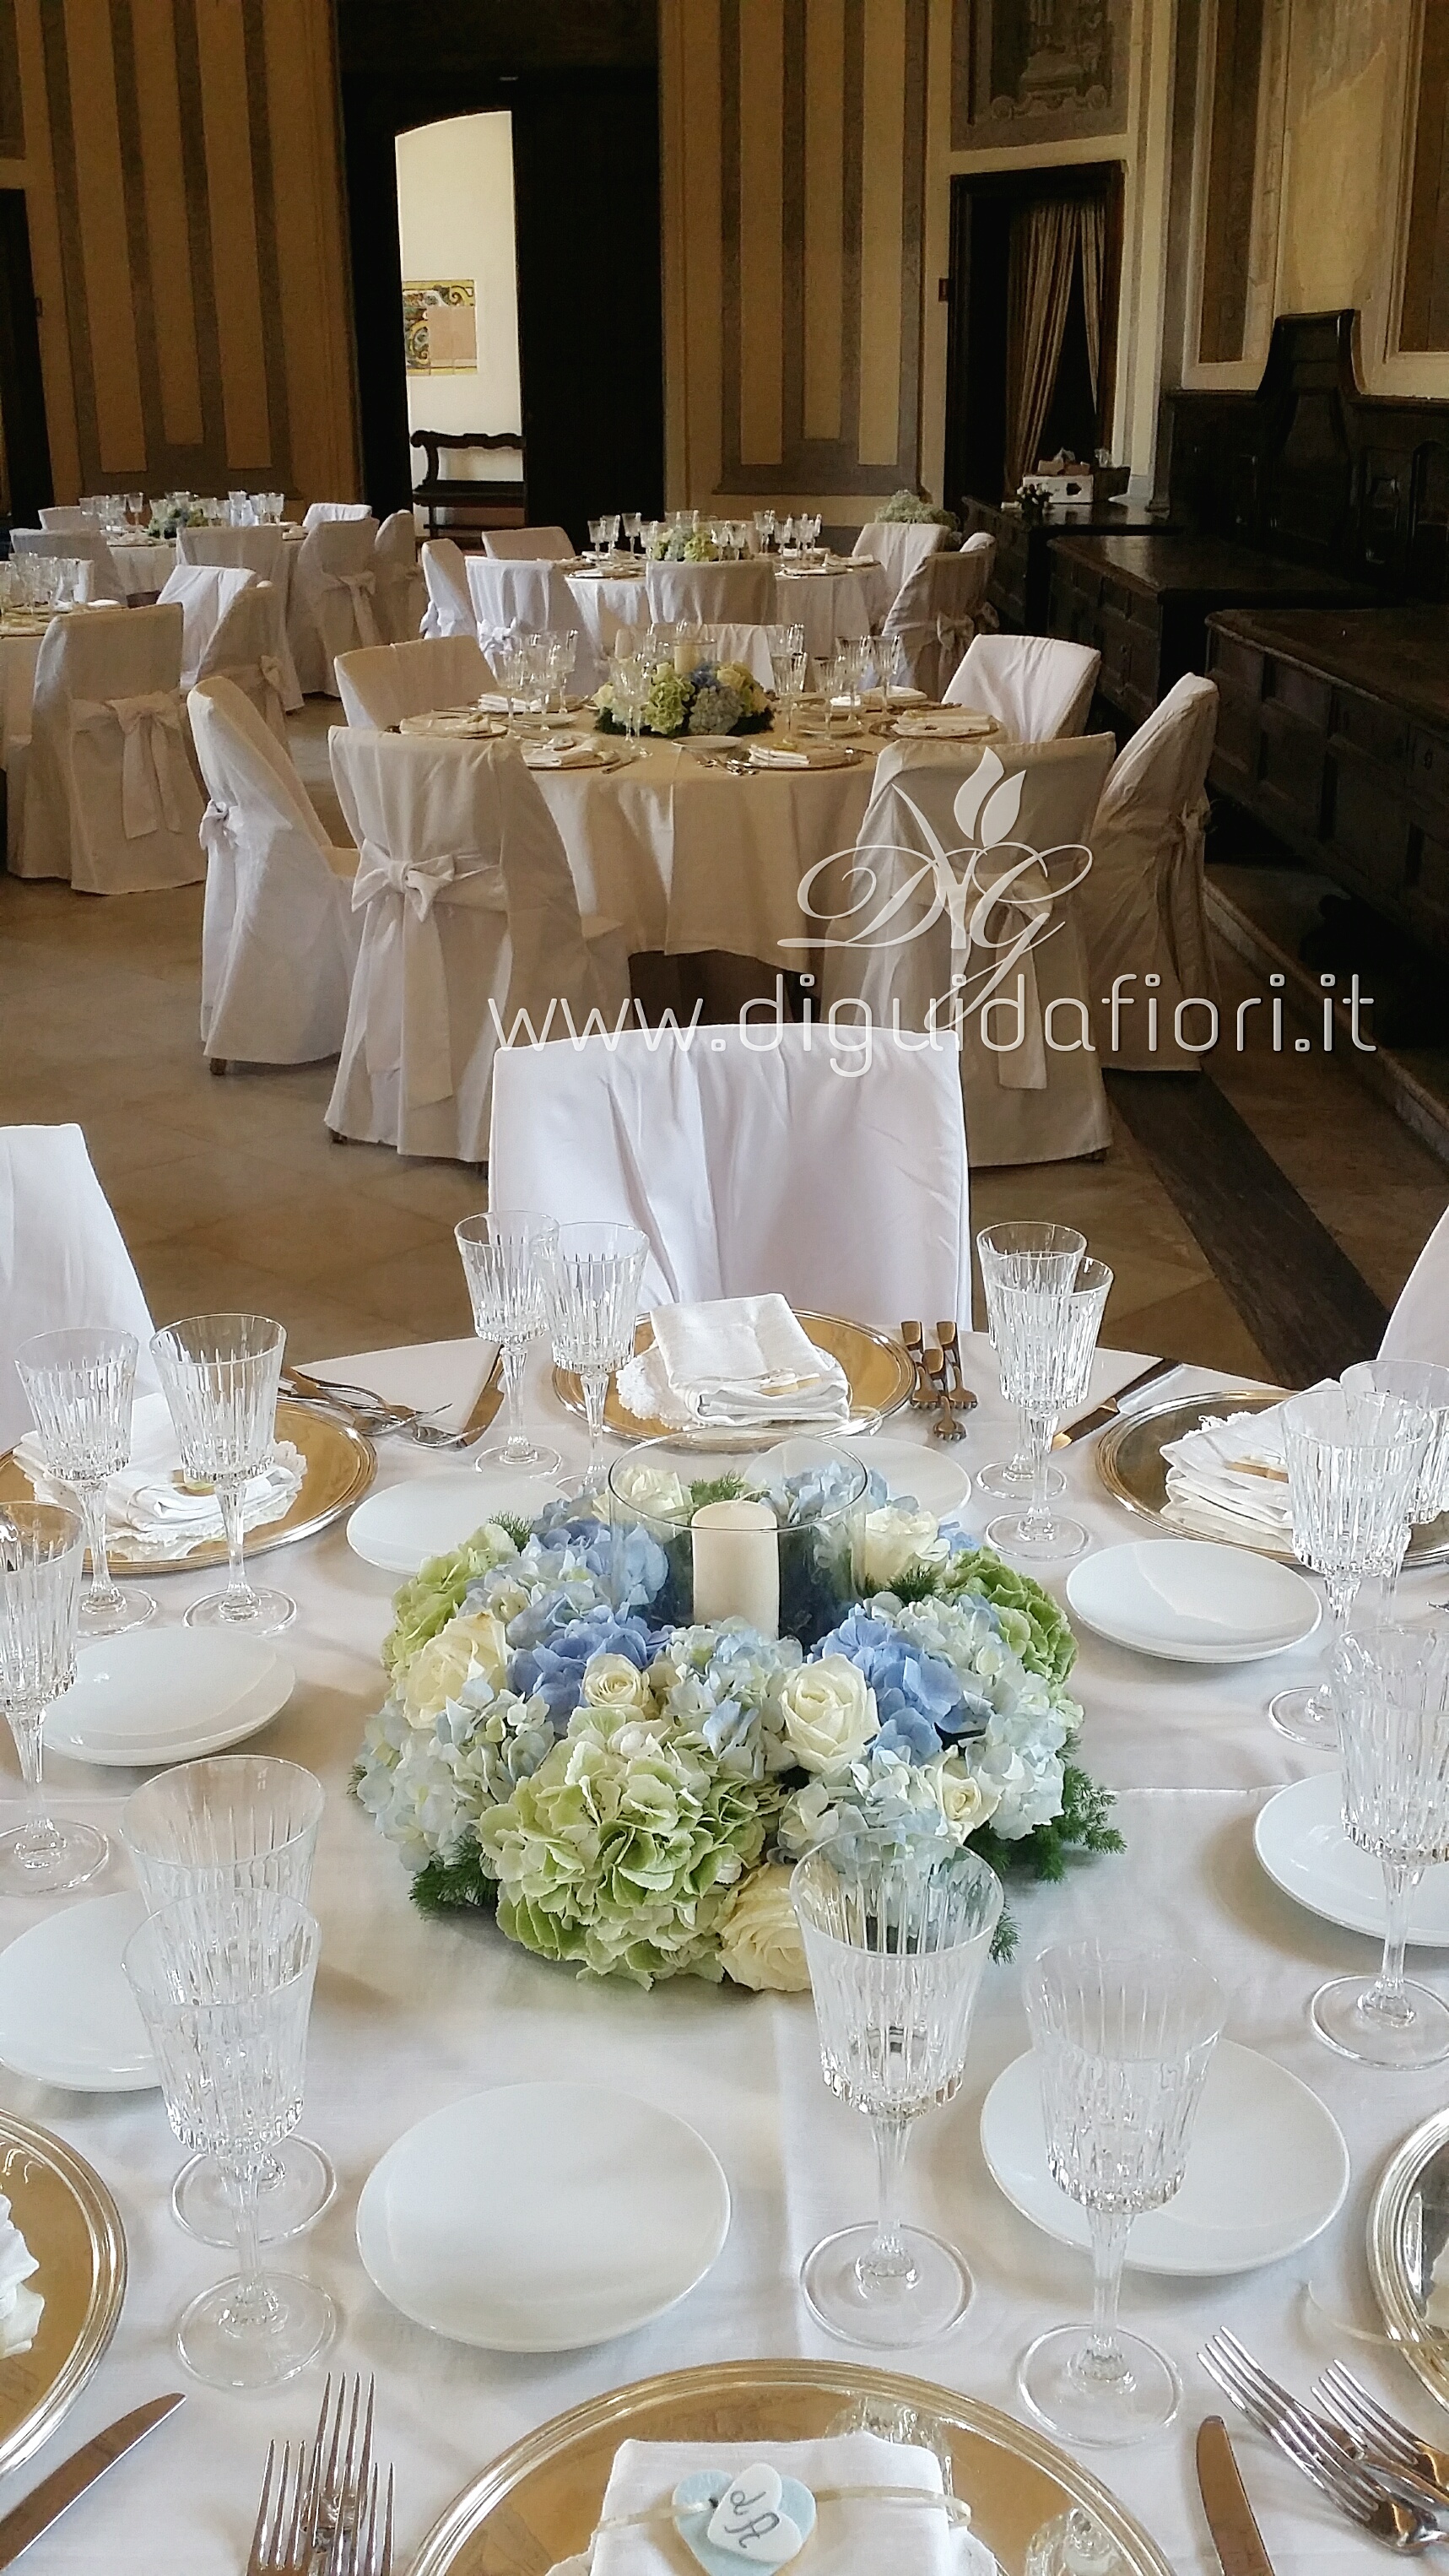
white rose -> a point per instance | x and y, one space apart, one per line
964 1801
829 1713
656 1492
894 1538
612 1682
467 1648
759 1939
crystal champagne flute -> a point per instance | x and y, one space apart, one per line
1392 1702
220 1374
896 1948
1354 1463
594 1274
42 1549
504 1262
80 1387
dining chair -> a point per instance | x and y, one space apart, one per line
536 597
385 682
279 937
203 593
331 610
899 546
111 799
402 594
469 919
450 608
754 1158
264 551
1143 906
711 594
63 1261
65 514
529 545
246 648
87 544
322 514
943 912
933 615
1037 686
1418 1328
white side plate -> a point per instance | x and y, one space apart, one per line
919 1468
167 1695
1299 1839
67 2013
401 1527
1192 1601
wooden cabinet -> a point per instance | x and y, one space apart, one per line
1020 585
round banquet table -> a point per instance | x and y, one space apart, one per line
143 564
411 2014
838 602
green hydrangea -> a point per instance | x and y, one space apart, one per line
621 1852
1031 1622
667 706
435 1594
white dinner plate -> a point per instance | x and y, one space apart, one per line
67 2013
1300 1840
1266 2172
542 2217
1191 1601
917 1467
167 1695
401 1527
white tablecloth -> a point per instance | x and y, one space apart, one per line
606 602
831 604
412 2014
144 565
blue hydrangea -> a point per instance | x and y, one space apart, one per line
919 1699
554 1669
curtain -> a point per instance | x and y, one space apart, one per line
1044 271
1092 215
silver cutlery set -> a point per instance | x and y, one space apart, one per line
375 1418
1375 2469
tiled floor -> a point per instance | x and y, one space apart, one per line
230 1193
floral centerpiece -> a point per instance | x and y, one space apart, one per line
684 545
907 508
628 1791
715 697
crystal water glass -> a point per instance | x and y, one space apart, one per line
1009 1479
1029 1273
504 1262
220 1374
562 646
1123 2039
217 1832
80 1387
789 672
42 1549
631 528
896 1948
1424 1384
764 530
1059 1536
1354 1463
1392 1701
631 679
225 1991
594 1274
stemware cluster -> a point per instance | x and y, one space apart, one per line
581 1283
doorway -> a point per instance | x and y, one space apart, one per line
1036 265
25 478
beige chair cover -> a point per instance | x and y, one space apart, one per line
1143 908
469 918
386 682
1418 1328
111 800
332 608
752 1159
247 649
934 613
711 594
203 592
402 593
65 514
1037 686
529 545
450 606
958 906
62 1260
264 551
899 546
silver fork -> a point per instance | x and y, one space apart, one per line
341 2484
366 2548
1349 2403
282 2540
1404 2511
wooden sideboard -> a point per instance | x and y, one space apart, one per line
1143 602
1020 586
1334 731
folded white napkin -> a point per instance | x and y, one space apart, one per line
442 1379
1229 1478
949 724
804 755
150 1518
732 1362
20 2308
563 755
853 2533
469 722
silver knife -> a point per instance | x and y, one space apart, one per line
1236 2536
1101 1414
47 2501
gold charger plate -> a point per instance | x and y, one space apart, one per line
1408 2231
880 1375
540 2501
1131 1466
72 2227
340 1466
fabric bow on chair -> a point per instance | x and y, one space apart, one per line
151 726
407 1024
361 585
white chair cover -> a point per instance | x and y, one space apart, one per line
1143 908
111 800
402 593
63 1263
265 552
1037 686
65 514
753 1159
278 935
469 918
1418 1328
916 923
711 594
899 546
529 545
322 514
934 613
203 593
333 592
246 649
450 605
85 544
380 686
536 596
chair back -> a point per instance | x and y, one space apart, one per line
203 592
370 687
65 514
86 544
111 800
333 606
532 594
529 545
1164 766
401 590
1144 905
1418 1328
247 649
1037 686
320 514
450 606
714 594
898 546
934 613
258 549
751 1167
62 1259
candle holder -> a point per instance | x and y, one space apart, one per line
773 1539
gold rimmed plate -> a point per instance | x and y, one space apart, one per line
1131 1465
72 2227
1408 2235
540 2501
880 1376
339 1466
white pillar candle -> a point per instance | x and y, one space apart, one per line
687 657
737 1564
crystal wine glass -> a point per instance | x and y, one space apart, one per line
1354 1463
235 1826
1009 1480
503 1262
563 651
1123 2039
1030 1272
80 1387
225 1991
42 1548
594 1274
220 1374
631 528
764 530
789 671
896 1947
1423 1384
1392 1701
1090 1291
